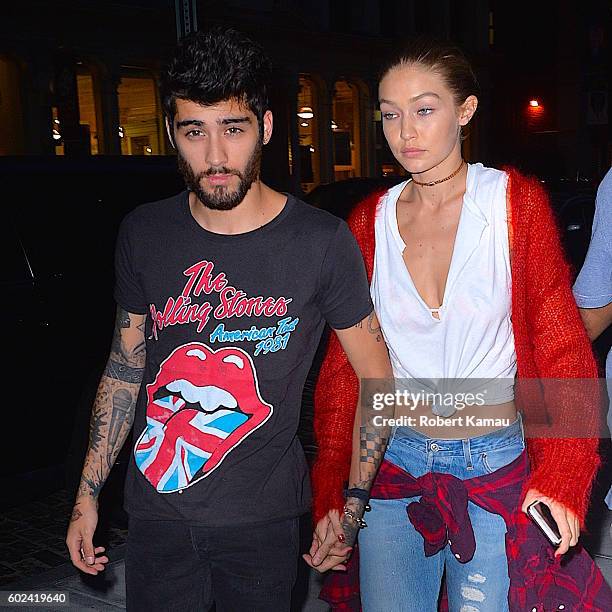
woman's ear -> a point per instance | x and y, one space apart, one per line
467 110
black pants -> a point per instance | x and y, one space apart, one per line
170 565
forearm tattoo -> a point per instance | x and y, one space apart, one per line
92 482
120 423
349 525
113 410
372 446
96 428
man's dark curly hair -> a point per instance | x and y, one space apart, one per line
216 65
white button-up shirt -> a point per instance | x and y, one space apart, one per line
473 337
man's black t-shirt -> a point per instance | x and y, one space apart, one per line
233 324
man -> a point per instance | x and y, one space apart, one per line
593 287
223 292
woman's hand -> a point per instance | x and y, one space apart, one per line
328 549
567 521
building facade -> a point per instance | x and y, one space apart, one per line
79 77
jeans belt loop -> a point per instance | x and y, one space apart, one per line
467 452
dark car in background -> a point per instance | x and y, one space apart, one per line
574 205
60 221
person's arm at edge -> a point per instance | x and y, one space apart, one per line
596 320
111 420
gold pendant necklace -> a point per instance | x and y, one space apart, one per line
432 183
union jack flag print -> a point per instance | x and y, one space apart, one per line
202 404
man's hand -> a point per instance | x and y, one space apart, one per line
328 550
567 521
79 539
111 420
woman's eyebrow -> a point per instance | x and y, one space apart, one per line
413 99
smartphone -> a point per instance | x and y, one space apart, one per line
540 514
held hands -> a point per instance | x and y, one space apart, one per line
328 549
567 521
334 537
79 538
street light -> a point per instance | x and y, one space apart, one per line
534 103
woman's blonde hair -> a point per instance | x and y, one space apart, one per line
442 57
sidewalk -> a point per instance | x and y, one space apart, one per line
33 557
43 545
106 592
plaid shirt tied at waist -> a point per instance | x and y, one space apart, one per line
539 582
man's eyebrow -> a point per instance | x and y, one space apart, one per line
413 99
186 122
229 120
200 123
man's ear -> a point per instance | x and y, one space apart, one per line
170 134
267 126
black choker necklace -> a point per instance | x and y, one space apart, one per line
432 183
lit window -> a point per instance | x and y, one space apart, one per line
139 117
56 131
346 134
11 120
87 107
308 135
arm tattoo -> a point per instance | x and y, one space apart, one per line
96 428
120 417
123 319
92 485
372 446
374 330
349 525
113 410
123 372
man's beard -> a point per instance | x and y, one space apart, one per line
222 197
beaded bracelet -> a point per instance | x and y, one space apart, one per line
357 519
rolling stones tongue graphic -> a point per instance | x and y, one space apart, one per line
202 404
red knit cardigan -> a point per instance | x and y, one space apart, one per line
550 341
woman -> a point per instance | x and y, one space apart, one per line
469 284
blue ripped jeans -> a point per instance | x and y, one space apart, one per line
394 573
